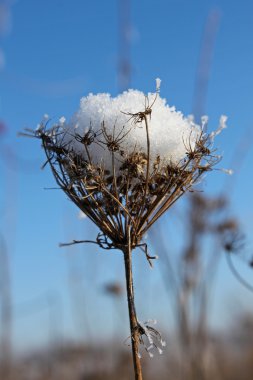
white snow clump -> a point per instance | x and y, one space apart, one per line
171 134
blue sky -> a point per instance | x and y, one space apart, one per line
55 52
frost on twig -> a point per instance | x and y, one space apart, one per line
149 337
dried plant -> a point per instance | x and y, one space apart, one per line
126 196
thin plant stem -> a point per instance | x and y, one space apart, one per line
134 327
148 166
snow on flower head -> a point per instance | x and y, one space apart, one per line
170 133
128 157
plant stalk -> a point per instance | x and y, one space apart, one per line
131 309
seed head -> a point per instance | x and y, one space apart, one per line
124 161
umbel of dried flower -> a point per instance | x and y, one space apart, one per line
124 161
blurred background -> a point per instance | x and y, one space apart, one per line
63 312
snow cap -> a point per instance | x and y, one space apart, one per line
171 134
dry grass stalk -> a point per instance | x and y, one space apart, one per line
123 203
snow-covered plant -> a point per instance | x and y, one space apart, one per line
124 161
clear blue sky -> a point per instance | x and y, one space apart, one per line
55 51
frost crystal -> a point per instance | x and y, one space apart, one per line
62 120
149 337
158 84
227 171
222 125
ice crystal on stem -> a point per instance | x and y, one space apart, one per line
150 338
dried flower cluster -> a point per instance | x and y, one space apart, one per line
137 187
